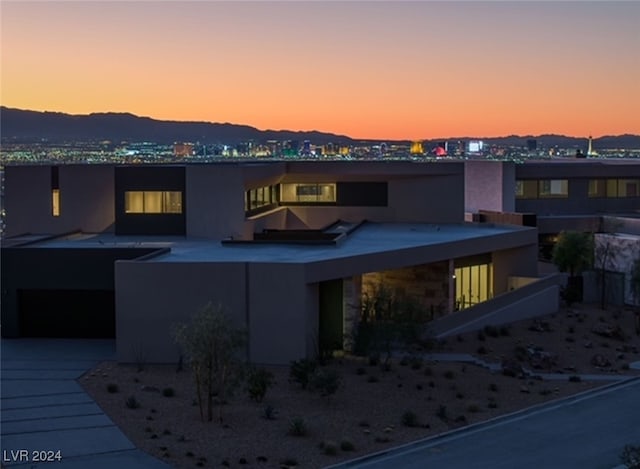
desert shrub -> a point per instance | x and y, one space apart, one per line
575 379
289 462
298 427
441 413
364 424
168 392
372 379
459 395
300 371
259 381
326 382
481 336
630 456
521 353
493 404
382 439
449 374
330 448
482 350
269 412
461 419
112 388
491 331
132 402
404 361
428 371
346 445
493 387
166 432
416 363
409 419
374 359
473 408
361 371
504 331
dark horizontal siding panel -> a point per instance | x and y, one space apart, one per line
362 194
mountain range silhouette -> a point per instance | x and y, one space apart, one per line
25 126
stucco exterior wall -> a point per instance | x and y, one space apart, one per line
516 262
283 313
153 296
489 185
86 199
428 199
215 201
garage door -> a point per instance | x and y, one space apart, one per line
67 313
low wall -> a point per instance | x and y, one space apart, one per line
535 299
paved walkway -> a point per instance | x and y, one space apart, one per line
587 431
44 409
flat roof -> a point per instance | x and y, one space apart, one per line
370 238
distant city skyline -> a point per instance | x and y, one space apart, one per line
369 70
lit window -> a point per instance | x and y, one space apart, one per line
260 197
628 187
295 192
55 202
553 188
526 189
153 202
597 188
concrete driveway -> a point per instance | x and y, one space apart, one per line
47 417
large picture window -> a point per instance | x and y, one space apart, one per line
308 192
153 202
612 188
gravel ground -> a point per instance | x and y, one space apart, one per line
368 408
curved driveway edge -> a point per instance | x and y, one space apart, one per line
46 417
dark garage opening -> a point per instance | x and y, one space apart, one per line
67 313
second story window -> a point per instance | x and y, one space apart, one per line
153 202
308 192
553 188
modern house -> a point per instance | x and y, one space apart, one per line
287 247
595 196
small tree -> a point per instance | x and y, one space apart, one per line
212 346
573 253
604 253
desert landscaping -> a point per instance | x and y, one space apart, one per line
416 395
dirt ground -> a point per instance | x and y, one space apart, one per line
366 413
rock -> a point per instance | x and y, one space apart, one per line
600 361
588 344
540 326
512 368
149 389
366 431
539 359
607 330
524 389
388 430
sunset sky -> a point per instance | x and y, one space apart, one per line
384 70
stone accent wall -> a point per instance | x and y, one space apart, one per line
427 283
